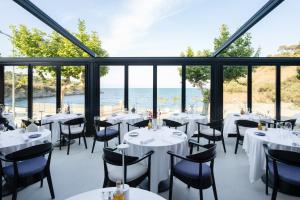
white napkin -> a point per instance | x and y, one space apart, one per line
32 128
147 140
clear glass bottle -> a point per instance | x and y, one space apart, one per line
118 194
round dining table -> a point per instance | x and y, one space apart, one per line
55 119
11 141
275 138
191 118
124 118
103 193
162 140
229 122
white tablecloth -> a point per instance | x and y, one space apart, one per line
10 119
60 117
160 141
229 123
275 138
11 141
191 118
125 118
134 194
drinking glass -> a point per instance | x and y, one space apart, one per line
288 126
2 128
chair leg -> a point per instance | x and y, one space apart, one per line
59 141
208 141
201 194
14 192
267 181
93 145
171 187
84 139
223 142
105 182
237 144
214 187
79 139
42 183
69 143
198 140
274 194
49 180
119 138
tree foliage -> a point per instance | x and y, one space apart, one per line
36 43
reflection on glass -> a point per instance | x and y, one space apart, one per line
44 91
72 88
112 91
263 90
198 89
16 82
290 94
235 93
168 90
140 88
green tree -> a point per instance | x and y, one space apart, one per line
199 76
36 43
290 51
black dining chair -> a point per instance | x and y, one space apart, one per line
173 124
72 129
105 131
282 166
282 123
134 172
194 169
5 123
28 166
212 131
241 126
38 123
140 124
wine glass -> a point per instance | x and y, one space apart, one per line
2 128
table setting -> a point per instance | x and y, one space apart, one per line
11 141
160 140
229 122
124 118
191 118
283 138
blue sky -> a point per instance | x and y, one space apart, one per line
160 27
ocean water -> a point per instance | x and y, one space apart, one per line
138 97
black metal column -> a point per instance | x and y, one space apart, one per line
278 91
154 91
249 88
58 88
30 91
2 84
92 95
216 92
183 88
126 87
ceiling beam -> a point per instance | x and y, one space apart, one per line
259 15
37 12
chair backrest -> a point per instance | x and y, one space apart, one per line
287 157
217 125
171 123
5 122
206 156
30 152
141 124
115 158
283 123
245 124
75 121
101 123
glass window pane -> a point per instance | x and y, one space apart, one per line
290 94
140 88
235 93
198 89
72 88
168 90
112 91
263 90
44 91
16 87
